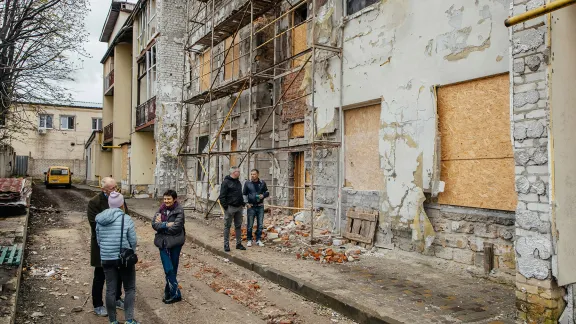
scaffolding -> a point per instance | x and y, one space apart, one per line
209 26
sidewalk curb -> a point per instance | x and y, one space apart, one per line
341 304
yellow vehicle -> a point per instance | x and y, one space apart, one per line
58 176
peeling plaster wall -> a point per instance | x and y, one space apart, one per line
170 71
397 51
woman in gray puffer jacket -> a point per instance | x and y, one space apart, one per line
170 236
108 234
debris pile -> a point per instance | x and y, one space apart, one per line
14 195
330 255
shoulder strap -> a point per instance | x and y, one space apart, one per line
121 233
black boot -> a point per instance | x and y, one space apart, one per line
226 248
240 247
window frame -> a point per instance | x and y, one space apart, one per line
40 121
68 122
151 72
98 123
359 12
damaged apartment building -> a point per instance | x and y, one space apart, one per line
432 115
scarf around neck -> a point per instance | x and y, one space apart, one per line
164 209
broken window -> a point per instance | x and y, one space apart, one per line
45 121
353 6
67 122
202 145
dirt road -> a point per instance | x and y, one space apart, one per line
57 282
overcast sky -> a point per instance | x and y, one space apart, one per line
88 84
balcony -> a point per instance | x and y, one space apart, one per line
109 84
109 133
145 115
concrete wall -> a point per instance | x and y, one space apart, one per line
171 16
57 143
7 161
143 158
562 122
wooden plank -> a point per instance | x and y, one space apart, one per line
364 216
356 226
364 227
358 238
372 231
297 130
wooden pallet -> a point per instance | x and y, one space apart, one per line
10 255
361 226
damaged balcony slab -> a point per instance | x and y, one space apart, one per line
384 287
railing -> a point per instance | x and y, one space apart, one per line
146 112
109 81
109 132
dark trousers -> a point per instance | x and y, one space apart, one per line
98 287
233 214
258 213
115 275
170 259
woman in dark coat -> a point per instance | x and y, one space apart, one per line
170 236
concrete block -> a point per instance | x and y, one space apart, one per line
463 256
539 113
539 207
538 169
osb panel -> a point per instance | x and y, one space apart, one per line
485 183
232 67
474 119
299 43
297 130
361 127
205 71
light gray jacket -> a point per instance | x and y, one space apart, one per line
108 224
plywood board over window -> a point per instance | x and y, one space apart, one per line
205 81
232 68
299 38
477 157
362 158
297 130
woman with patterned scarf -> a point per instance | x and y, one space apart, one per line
170 236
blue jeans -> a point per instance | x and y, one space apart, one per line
170 259
258 212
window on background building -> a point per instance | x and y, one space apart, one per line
151 12
151 72
96 124
147 26
45 121
232 68
142 85
353 6
142 31
67 122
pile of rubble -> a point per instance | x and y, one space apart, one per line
331 255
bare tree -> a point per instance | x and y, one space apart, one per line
41 45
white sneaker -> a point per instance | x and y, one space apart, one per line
249 244
259 243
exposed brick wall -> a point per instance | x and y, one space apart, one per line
538 298
294 110
37 167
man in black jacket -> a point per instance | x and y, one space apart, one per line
233 203
254 193
97 205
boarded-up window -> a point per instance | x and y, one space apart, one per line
477 157
299 179
205 71
232 68
297 130
361 127
299 40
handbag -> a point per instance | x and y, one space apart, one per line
128 257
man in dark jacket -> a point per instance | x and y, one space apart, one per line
233 203
254 193
97 205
